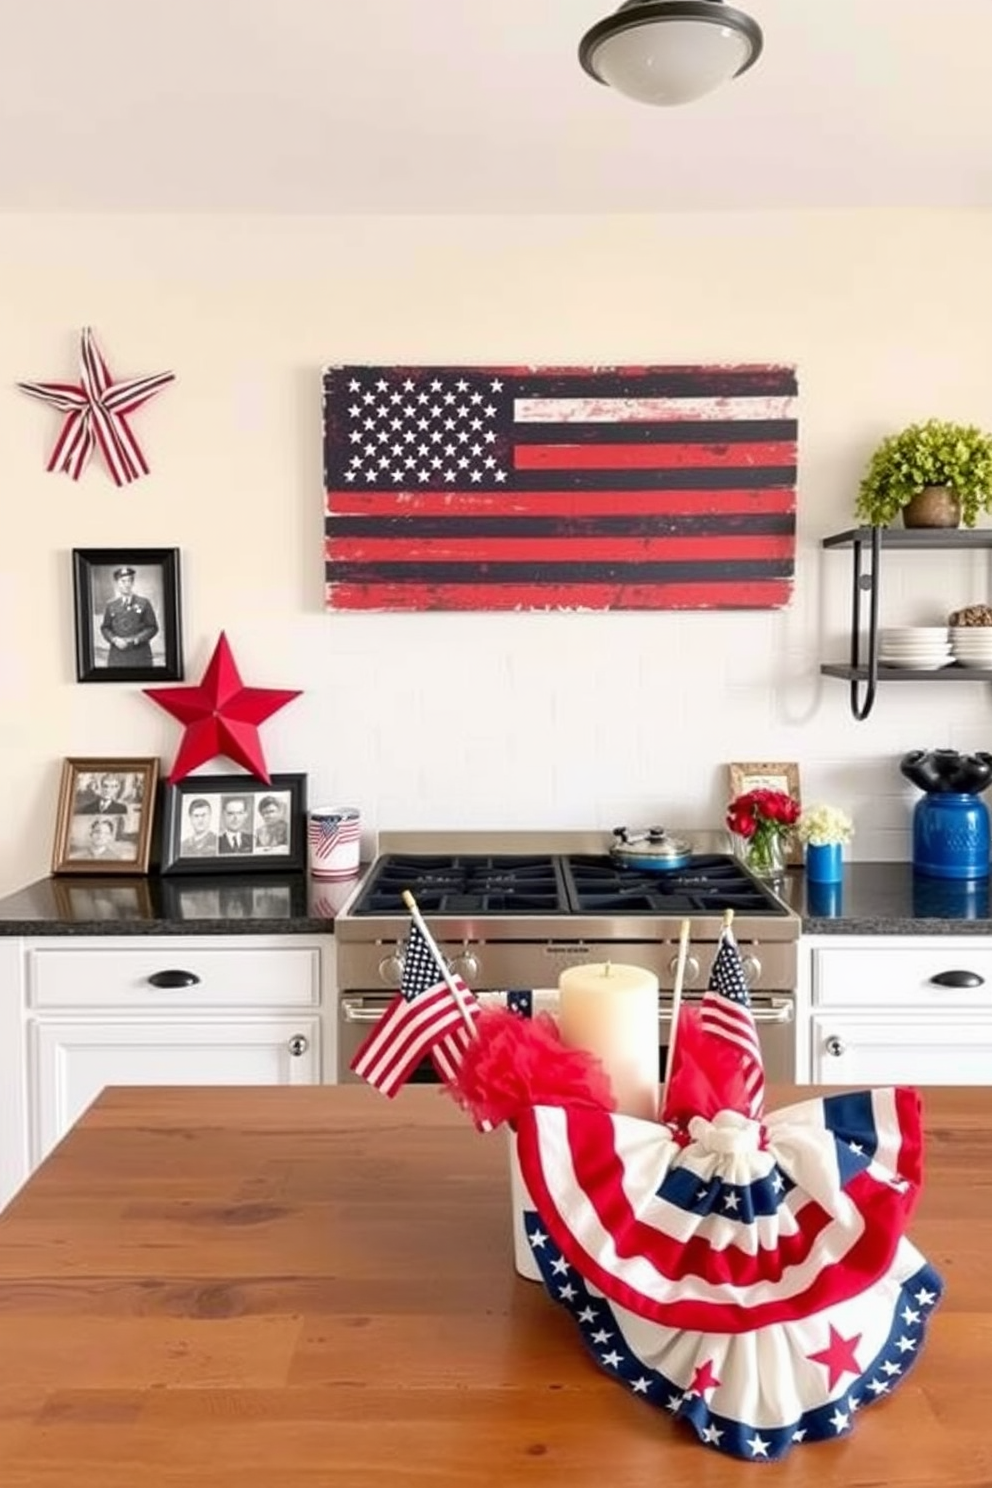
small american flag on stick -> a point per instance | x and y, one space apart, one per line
433 1013
726 1013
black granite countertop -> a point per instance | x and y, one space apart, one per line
873 899
232 904
890 899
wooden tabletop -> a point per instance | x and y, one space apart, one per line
289 1288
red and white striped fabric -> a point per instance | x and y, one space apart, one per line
97 410
754 1280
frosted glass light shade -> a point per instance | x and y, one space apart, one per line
670 51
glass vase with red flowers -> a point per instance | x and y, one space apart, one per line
761 821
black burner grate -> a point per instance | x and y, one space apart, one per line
470 885
706 884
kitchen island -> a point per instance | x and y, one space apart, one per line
272 1288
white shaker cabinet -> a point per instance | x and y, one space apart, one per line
81 1013
890 1009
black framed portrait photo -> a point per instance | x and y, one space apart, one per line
234 824
127 612
105 816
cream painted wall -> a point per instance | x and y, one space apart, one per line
476 720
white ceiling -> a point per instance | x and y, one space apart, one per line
426 106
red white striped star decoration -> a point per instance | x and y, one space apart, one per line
97 411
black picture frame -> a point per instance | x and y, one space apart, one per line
112 622
272 842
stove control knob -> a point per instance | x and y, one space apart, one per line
752 969
467 965
391 968
691 969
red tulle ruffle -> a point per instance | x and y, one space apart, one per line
519 1062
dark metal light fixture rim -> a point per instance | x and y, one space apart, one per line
635 13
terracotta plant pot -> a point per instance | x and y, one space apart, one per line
934 506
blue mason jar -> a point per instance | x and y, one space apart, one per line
951 835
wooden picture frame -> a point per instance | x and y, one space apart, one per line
270 822
127 614
780 775
105 813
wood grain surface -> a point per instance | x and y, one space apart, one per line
286 1288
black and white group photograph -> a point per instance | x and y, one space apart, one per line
105 816
233 822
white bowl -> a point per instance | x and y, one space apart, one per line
933 653
915 633
916 664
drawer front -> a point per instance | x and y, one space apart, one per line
901 976
174 976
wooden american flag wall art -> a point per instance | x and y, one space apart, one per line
559 488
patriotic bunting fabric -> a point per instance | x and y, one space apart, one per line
423 1019
96 415
753 1282
559 488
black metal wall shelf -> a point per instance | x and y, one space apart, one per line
863 672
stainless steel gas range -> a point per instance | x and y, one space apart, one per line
511 910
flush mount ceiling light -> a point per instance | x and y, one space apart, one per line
670 51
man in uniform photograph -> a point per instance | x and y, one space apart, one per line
128 624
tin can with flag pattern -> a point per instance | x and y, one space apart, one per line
333 842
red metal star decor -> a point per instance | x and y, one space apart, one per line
221 716
96 412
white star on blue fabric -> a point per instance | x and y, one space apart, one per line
711 1434
759 1447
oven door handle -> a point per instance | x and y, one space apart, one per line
775 1010
353 1010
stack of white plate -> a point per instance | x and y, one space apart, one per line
972 645
916 648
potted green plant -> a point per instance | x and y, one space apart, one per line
906 467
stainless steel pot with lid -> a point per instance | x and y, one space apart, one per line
650 849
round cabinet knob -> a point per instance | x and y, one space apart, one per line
298 1045
752 969
691 969
391 968
835 1046
467 965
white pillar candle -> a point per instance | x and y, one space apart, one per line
613 1012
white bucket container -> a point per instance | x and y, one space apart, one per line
520 1200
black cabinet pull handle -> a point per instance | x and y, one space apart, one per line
174 979
958 979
